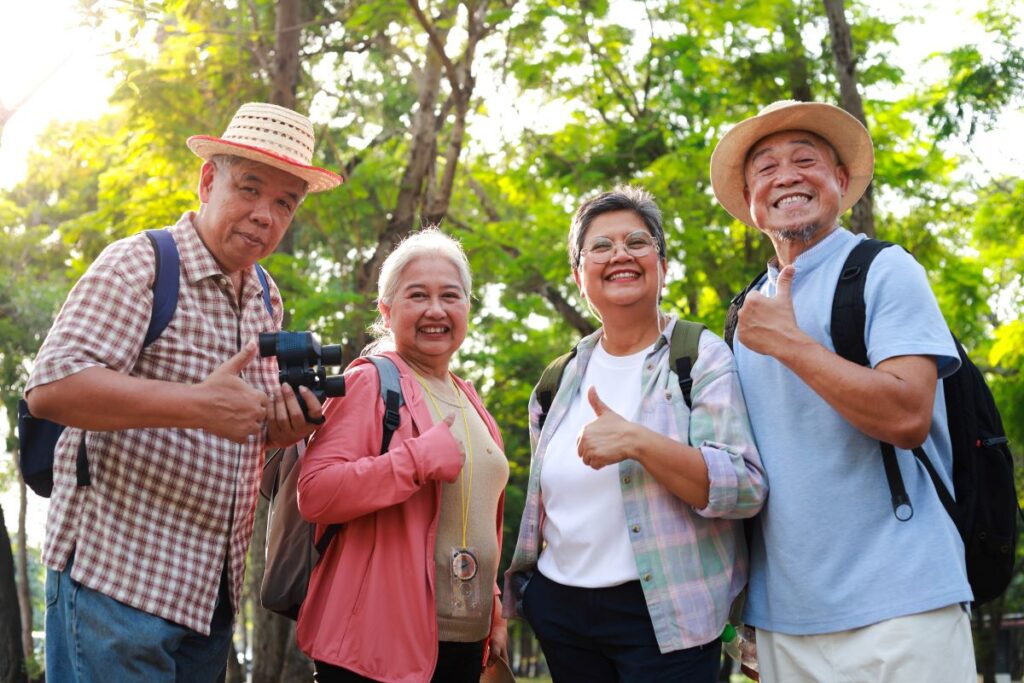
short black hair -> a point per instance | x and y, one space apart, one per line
620 198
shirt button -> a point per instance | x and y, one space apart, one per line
626 479
636 528
650 366
648 577
668 395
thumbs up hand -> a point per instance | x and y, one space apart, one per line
768 325
604 440
228 406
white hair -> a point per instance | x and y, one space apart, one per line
428 242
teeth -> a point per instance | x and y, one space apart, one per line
434 330
791 200
624 276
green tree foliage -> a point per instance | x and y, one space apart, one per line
634 92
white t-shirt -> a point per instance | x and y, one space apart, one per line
585 532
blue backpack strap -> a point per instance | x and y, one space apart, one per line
262 276
391 394
165 284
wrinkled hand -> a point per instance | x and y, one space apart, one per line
604 440
499 642
768 326
285 422
444 467
231 408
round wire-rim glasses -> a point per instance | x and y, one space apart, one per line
637 244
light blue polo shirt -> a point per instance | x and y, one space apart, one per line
830 555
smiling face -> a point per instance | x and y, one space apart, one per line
794 185
246 208
428 313
624 281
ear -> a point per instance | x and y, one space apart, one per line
746 195
206 175
843 178
579 283
385 312
662 272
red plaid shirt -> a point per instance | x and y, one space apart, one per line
166 506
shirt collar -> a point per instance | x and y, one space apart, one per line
198 262
820 253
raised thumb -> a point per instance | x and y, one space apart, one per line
784 286
238 362
596 403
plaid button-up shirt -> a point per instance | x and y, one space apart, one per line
166 507
692 563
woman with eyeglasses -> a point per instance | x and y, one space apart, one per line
631 549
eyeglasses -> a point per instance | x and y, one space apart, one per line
601 249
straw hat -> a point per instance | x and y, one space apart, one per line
271 135
845 133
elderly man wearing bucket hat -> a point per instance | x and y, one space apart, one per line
146 552
840 589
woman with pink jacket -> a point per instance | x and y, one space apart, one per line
406 592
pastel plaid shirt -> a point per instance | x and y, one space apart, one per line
166 507
692 563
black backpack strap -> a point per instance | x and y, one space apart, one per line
944 495
849 317
732 318
848 309
683 350
391 394
549 382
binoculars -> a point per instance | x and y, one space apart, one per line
301 360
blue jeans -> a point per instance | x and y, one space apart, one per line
92 637
605 635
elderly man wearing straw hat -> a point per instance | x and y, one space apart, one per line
146 553
840 589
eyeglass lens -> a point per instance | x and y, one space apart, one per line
637 244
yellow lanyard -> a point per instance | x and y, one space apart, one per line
465 491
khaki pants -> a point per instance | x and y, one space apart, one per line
931 646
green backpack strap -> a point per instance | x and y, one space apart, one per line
683 354
550 379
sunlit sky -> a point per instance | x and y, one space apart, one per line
56 69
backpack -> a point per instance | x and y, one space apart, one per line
37 438
682 356
983 503
292 550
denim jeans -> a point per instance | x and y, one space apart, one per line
93 638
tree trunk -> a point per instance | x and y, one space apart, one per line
863 218
21 560
986 637
287 67
235 674
799 71
12 658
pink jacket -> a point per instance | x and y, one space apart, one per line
370 605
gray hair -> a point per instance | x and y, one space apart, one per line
224 162
428 242
620 198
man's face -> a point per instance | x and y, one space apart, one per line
794 185
246 208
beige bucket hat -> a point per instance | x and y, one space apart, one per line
271 135
845 133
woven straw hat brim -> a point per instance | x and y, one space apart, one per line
845 133
318 179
